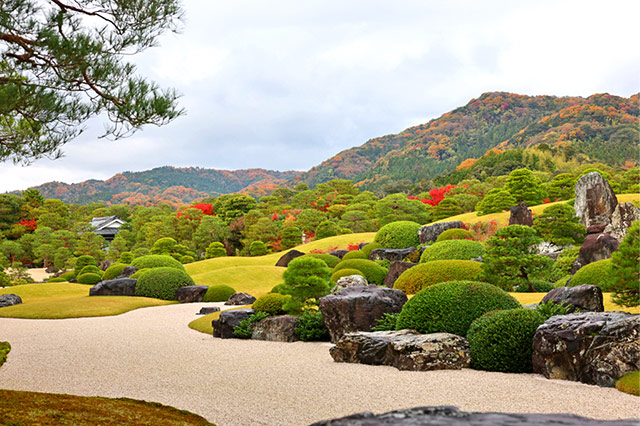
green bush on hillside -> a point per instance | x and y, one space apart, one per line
137 274
327 229
69 275
374 273
83 261
218 293
162 282
90 269
89 278
56 280
452 249
368 248
454 234
598 273
113 271
215 249
355 254
329 259
398 235
156 261
271 303
426 274
126 257
344 273
258 248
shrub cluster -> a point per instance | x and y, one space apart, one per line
355 254
126 257
156 261
374 273
218 293
329 259
258 248
598 273
215 249
162 283
113 271
398 235
90 269
426 274
452 249
89 278
454 234
310 327
271 303
244 330
83 261
69 275
368 248
137 274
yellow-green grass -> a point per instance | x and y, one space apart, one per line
35 408
529 298
629 383
203 324
65 300
256 280
502 218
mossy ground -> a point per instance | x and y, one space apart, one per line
629 383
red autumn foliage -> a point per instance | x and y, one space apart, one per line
546 201
207 209
353 246
436 194
31 225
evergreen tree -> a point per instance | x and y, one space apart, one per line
558 224
306 280
495 201
625 267
525 186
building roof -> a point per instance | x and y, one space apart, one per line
106 224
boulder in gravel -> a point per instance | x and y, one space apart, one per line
288 257
593 347
128 271
191 293
240 299
404 349
392 255
583 298
429 233
223 327
9 299
276 329
595 247
621 219
358 308
350 281
520 215
339 253
395 270
208 310
115 287
595 201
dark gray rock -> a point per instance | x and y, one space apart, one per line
520 215
288 257
339 253
358 308
452 416
404 349
395 270
9 299
115 287
621 219
240 299
392 255
584 298
191 293
595 201
223 327
592 347
595 247
429 233
208 310
276 329
361 245
128 271
350 281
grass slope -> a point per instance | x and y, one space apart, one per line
35 408
529 298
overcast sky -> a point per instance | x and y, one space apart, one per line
285 84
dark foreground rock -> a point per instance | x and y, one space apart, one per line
191 293
592 347
240 299
9 300
288 257
584 298
358 308
223 327
208 310
392 255
115 287
429 233
395 270
452 416
404 349
275 329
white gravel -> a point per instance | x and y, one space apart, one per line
150 354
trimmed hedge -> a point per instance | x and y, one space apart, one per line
137 274
329 259
83 261
162 283
56 280
218 293
454 234
426 274
355 254
598 273
91 269
344 273
398 235
89 278
271 303
113 271
69 275
373 272
368 248
451 307
156 261
452 249
502 340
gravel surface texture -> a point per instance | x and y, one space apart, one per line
151 354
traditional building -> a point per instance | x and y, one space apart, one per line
107 226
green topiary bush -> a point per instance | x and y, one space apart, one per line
454 234
137 274
452 249
156 261
83 261
368 248
271 303
113 271
355 254
215 249
327 229
162 282
90 269
89 278
426 274
306 280
218 293
597 273
329 259
374 273
126 257
344 273
310 327
186 259
69 275
398 235
502 340
56 280
451 307
258 248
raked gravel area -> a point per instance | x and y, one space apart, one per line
151 354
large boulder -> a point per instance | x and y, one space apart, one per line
240 299
288 257
395 270
583 298
191 293
275 329
115 287
550 250
358 308
621 219
591 347
392 255
404 349
452 416
595 247
430 233
128 271
9 299
223 326
350 281
595 201
520 215
206 310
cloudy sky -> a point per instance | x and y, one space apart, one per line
286 84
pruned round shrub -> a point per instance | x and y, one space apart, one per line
327 229
215 249
218 293
454 234
344 273
355 254
113 271
156 261
368 248
426 274
90 269
83 261
258 248
398 235
502 340
451 307
374 273
452 249
126 257
69 275
56 280
162 282
597 273
89 278
271 303
137 274
329 259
